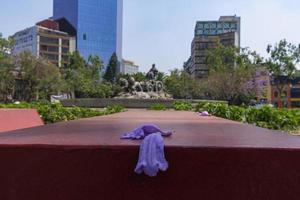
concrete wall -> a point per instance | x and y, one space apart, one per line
127 103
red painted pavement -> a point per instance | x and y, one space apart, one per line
210 158
13 119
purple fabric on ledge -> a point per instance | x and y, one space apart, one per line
204 114
151 156
142 131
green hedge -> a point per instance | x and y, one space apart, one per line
55 112
183 105
158 107
265 117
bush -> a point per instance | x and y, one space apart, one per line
266 117
158 107
55 112
113 109
182 105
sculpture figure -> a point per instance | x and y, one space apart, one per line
135 86
159 86
124 84
152 74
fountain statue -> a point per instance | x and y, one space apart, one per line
149 89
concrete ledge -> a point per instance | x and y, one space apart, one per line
127 103
210 158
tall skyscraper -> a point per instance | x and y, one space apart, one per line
227 30
98 25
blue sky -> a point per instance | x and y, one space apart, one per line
161 31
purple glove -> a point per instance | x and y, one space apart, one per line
142 131
204 114
152 156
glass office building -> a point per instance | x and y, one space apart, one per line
98 24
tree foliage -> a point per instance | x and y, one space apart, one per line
231 74
111 70
284 57
7 80
5 46
36 76
83 78
26 77
139 76
181 86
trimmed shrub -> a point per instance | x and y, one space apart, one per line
183 105
265 117
55 112
158 107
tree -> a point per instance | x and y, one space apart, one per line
284 57
36 76
5 46
74 74
231 71
111 71
181 86
6 69
83 78
7 80
95 66
139 76
50 81
161 76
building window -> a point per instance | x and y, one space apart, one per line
48 40
296 104
275 94
295 93
65 42
65 50
84 36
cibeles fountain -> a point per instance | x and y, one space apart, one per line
149 89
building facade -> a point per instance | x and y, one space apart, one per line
262 80
45 40
290 96
98 25
128 67
206 35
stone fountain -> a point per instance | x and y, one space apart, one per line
149 89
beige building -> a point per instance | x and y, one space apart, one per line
207 34
46 40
